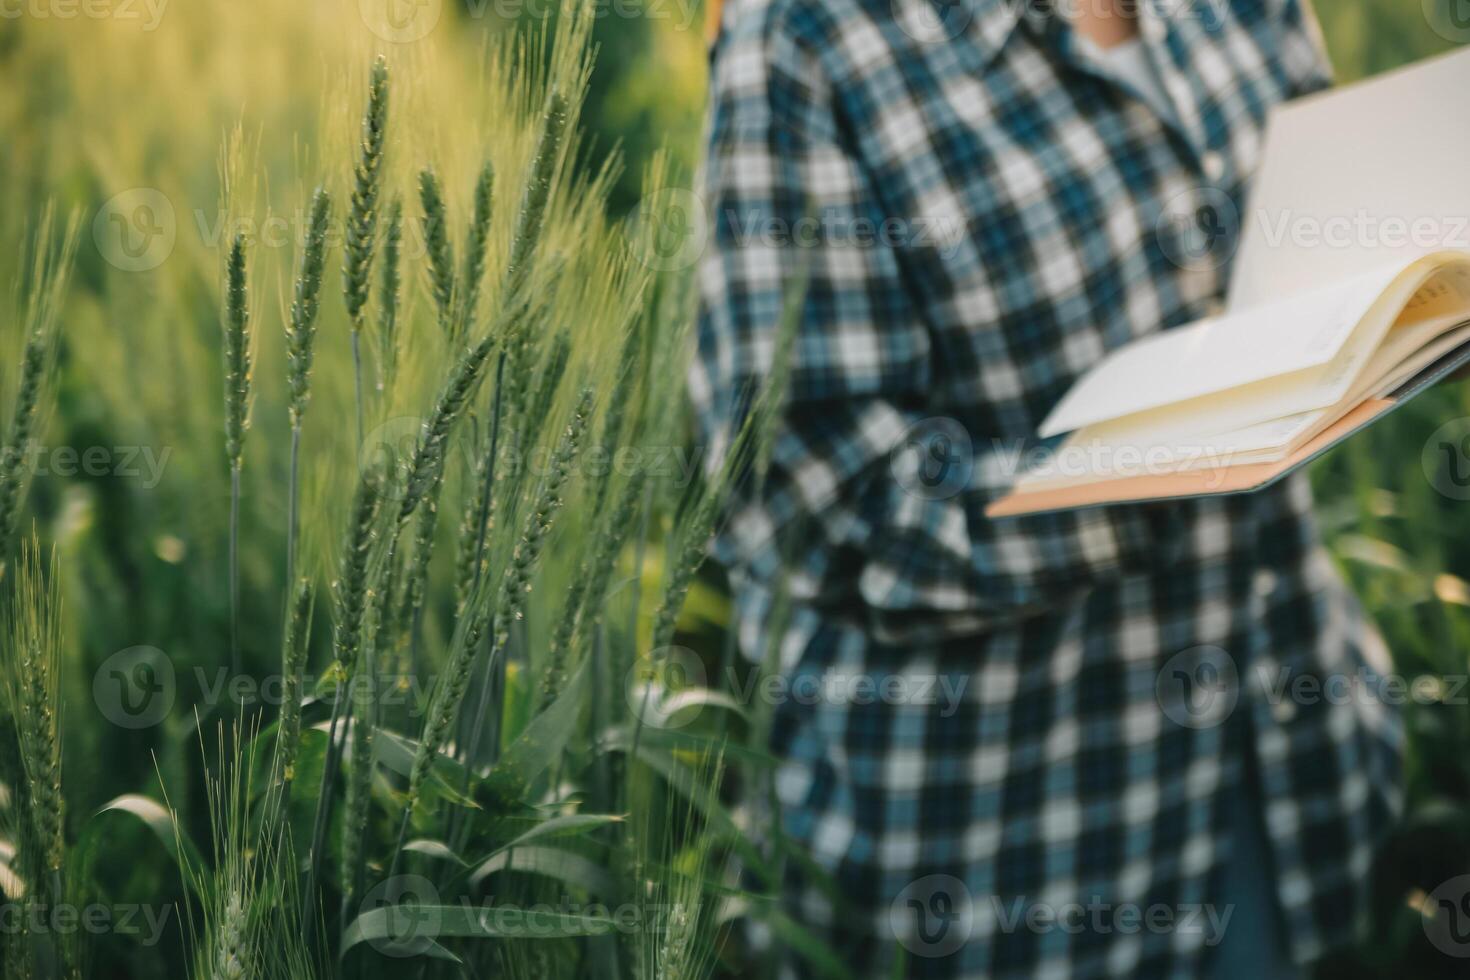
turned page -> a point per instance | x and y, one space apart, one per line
1356 177
1225 356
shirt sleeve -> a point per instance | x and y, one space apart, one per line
784 192
1303 47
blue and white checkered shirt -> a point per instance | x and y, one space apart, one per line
983 210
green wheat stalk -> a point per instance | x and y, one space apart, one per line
535 198
351 595
293 673
237 415
359 783
428 457
516 582
31 681
45 293
300 334
440 251
449 692
362 217
390 286
474 250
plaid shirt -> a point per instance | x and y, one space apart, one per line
983 210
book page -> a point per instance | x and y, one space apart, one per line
1301 332
1263 421
1356 176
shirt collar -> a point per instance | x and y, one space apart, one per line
992 22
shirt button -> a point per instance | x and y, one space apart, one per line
1213 163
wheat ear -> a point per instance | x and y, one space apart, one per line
362 217
237 415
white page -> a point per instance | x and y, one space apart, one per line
1173 443
1355 177
1298 333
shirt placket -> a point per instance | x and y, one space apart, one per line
1160 37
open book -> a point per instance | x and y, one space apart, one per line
1318 340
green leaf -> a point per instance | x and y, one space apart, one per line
11 885
156 817
551 862
567 825
674 740
683 780
436 849
700 697
395 753
411 928
542 740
